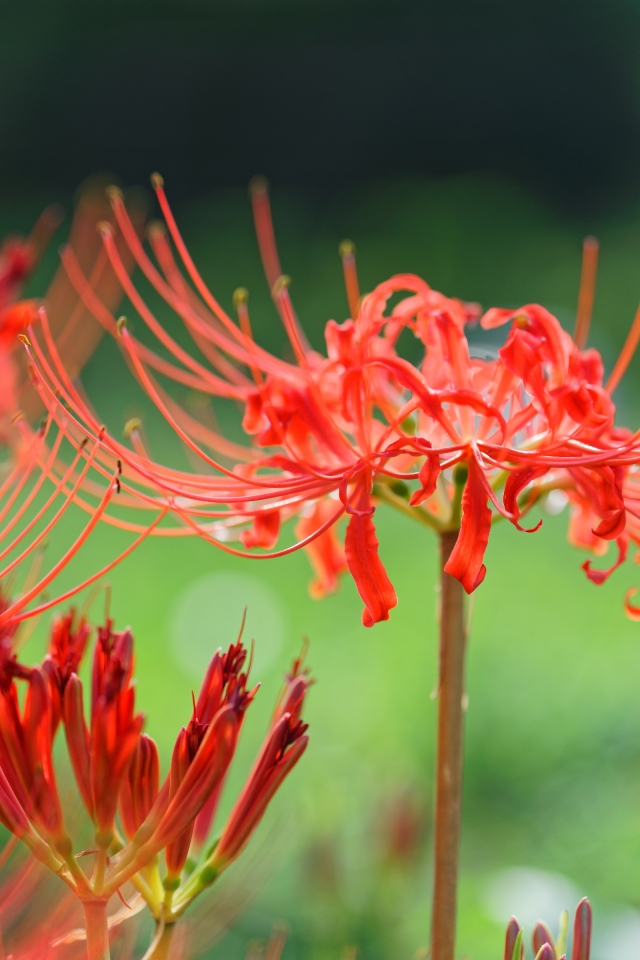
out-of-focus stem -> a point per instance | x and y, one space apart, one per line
160 947
95 921
448 800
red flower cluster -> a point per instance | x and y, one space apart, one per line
455 441
116 766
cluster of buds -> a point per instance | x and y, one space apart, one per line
457 442
545 947
153 835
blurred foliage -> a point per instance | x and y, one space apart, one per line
553 731
323 94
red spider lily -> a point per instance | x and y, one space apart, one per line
455 441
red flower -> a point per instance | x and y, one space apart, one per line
360 425
113 761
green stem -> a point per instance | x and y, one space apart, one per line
160 946
95 921
382 492
448 800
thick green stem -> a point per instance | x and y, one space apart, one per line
448 800
95 921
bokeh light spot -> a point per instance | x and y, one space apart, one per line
208 613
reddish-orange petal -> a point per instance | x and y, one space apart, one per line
466 560
366 568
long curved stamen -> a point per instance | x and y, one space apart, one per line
56 517
98 310
156 328
626 354
11 612
58 488
347 252
95 576
586 295
240 302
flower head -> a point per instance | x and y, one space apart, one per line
455 440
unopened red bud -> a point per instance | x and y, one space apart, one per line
582 931
140 786
542 935
512 938
77 735
205 773
280 753
546 952
38 746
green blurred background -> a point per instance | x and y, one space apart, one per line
474 144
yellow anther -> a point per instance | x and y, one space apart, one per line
114 193
24 339
281 284
156 229
240 297
347 248
131 426
157 181
122 322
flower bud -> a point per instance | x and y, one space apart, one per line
140 786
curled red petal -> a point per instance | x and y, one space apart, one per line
265 530
632 611
366 568
428 477
516 482
466 560
599 576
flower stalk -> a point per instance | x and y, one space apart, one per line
95 917
448 791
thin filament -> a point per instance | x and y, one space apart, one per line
590 247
